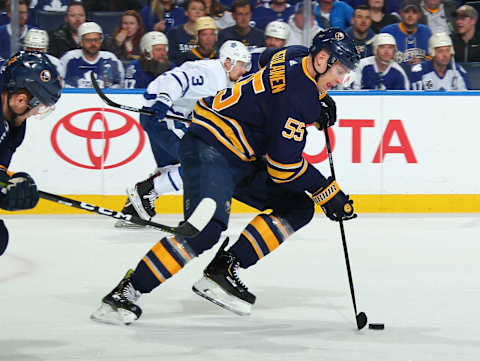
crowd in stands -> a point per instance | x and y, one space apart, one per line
404 44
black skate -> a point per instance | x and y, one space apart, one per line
119 306
221 285
142 196
128 209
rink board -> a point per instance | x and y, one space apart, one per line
401 152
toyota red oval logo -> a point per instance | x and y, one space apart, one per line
97 138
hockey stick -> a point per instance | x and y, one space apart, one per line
111 103
361 317
188 229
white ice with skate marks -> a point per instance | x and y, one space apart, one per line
417 274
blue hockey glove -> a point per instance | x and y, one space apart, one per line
335 204
328 115
20 192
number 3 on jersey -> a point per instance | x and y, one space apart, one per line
294 129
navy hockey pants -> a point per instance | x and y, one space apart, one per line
207 173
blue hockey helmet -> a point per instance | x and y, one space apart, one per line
338 44
35 73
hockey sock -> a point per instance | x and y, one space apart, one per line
166 258
169 180
261 236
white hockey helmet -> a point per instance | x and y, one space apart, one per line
383 39
235 51
278 29
437 40
87 28
149 40
36 39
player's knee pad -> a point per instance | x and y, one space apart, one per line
3 237
207 238
296 211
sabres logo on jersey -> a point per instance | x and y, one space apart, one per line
339 36
45 76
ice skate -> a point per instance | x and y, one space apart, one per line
221 285
128 209
119 306
142 196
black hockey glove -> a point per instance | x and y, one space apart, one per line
20 192
335 204
328 115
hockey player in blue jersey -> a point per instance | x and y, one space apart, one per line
29 83
77 64
410 36
380 71
440 73
263 116
153 61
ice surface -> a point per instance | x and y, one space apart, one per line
417 274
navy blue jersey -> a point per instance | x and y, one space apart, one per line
364 46
265 115
10 137
369 76
136 77
172 18
409 45
50 5
194 54
254 39
179 42
263 15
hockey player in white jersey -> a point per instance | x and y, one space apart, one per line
380 71
37 40
176 92
441 73
79 63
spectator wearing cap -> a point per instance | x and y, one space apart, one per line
438 15
65 37
6 30
276 35
206 35
333 13
379 15
152 63
79 63
162 15
410 36
466 40
251 37
268 12
182 38
360 30
296 22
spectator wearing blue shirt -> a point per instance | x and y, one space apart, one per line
411 37
6 30
251 37
380 71
276 10
181 39
162 15
360 30
333 13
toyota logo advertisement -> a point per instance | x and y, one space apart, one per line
107 127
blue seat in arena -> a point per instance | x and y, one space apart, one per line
108 20
48 20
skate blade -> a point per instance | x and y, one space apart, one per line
107 314
127 225
136 202
211 291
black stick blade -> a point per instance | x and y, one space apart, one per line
361 320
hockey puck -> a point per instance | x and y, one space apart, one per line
376 326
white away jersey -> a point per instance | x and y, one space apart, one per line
424 77
181 87
76 70
369 77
